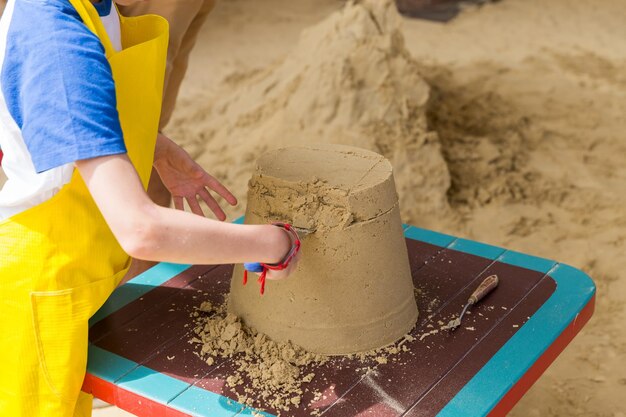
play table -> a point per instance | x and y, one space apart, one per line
140 358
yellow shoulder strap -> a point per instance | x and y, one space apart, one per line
92 20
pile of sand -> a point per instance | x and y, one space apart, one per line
268 373
268 370
345 197
348 80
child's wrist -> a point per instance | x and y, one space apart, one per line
285 241
280 245
160 150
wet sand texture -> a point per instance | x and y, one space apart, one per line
352 290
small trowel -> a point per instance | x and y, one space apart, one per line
302 232
483 289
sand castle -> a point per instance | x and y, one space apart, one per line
353 290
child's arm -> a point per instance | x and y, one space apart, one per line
148 231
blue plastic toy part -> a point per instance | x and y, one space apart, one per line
253 267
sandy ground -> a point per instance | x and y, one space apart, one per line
528 99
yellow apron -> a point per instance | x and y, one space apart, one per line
59 260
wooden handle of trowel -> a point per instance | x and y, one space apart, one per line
484 288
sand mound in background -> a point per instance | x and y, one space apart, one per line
349 80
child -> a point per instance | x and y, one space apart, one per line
78 125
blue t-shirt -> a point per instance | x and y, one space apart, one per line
58 85
57 101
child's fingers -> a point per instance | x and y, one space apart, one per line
291 268
194 206
178 203
295 260
219 188
213 205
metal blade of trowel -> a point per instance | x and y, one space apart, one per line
302 232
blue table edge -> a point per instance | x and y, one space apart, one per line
574 290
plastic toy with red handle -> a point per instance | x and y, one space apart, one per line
262 268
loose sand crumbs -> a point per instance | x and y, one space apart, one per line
274 374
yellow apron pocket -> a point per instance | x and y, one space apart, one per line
60 320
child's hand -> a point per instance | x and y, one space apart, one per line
185 179
288 251
278 275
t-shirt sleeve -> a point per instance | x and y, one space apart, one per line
58 86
